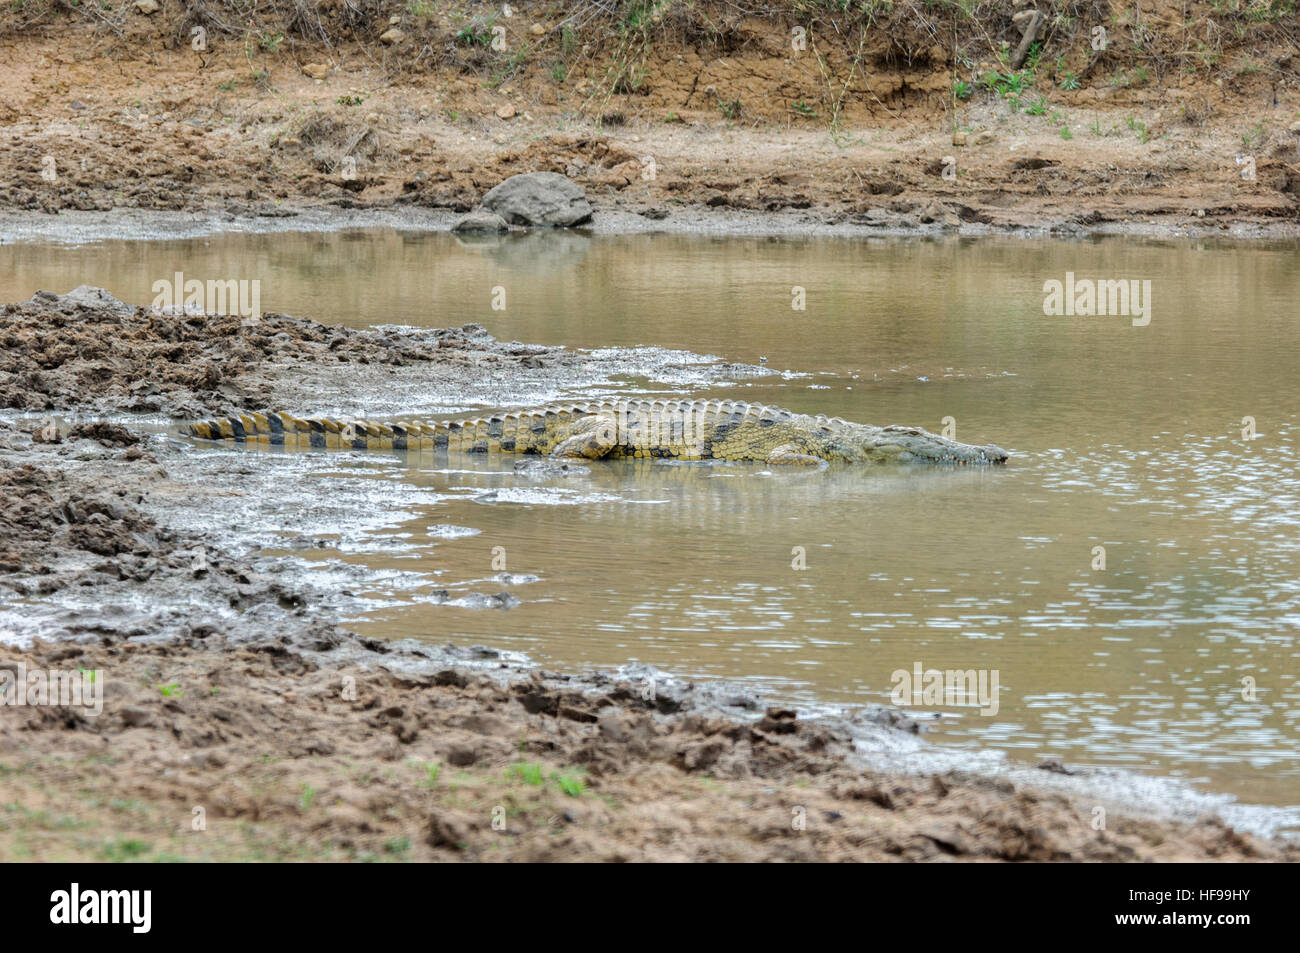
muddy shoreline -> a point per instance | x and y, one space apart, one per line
229 684
133 224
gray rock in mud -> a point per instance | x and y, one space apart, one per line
539 198
86 295
939 214
481 222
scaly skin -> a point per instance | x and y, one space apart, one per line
673 429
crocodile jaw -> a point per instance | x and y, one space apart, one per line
914 445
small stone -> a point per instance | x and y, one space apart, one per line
506 112
481 221
392 37
959 137
537 29
462 756
136 715
447 829
148 7
316 70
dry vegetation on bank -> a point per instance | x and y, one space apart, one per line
840 108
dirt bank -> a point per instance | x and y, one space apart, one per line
880 117
229 687
280 752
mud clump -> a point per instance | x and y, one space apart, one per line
47 515
87 351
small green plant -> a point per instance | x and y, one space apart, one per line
431 770
529 774
350 100
1139 127
559 72
477 31
1033 57
306 796
730 109
1066 133
1007 85
570 784
1069 80
1038 108
120 851
962 89
270 41
803 109
172 690
397 845
420 8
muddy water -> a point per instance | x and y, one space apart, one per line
1127 438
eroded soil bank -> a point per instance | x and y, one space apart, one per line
240 721
870 117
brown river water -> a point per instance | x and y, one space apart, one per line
1124 437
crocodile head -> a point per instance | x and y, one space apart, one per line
914 445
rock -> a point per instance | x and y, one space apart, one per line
462 755
448 829
938 213
392 36
537 29
958 137
983 137
91 297
316 70
135 716
1023 19
506 112
148 7
481 221
1294 128
539 198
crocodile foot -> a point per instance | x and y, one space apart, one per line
787 456
588 439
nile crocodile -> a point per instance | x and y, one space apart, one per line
672 429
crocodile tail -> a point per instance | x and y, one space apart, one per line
320 433
270 429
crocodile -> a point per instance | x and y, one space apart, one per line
668 429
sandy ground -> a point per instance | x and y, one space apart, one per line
239 721
277 751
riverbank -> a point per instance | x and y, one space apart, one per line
229 687
891 118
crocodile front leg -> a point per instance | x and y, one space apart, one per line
788 455
588 438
